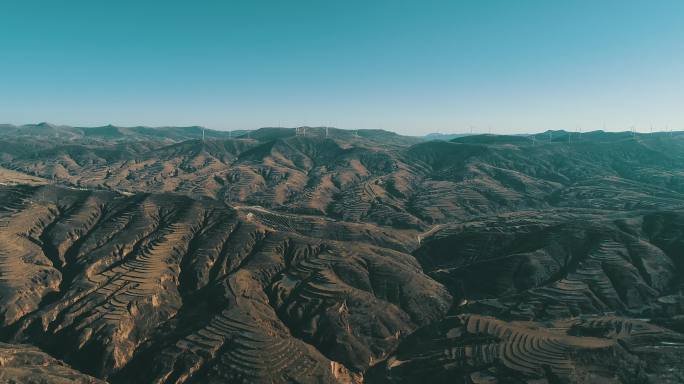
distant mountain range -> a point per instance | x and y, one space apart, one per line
111 132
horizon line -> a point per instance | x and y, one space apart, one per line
489 131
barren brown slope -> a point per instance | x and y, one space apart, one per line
27 364
283 257
171 289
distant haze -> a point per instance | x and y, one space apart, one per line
409 67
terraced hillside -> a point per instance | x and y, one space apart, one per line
140 255
195 290
526 267
481 349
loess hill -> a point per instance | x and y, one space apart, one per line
152 255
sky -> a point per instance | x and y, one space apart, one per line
412 67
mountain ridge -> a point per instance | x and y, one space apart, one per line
341 256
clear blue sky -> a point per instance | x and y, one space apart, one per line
409 66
